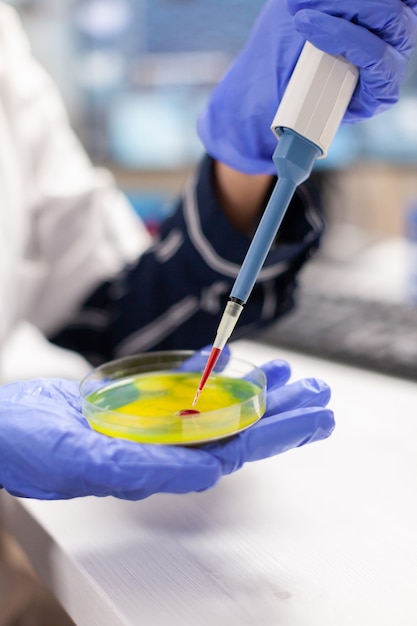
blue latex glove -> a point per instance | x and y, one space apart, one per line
378 36
48 450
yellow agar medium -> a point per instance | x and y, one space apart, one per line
147 408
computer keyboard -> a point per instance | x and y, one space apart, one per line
376 335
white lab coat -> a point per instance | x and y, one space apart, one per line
64 227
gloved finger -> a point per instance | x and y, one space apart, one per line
302 393
380 80
63 391
273 436
341 36
277 373
133 471
86 463
58 388
391 20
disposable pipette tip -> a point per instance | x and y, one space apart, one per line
211 362
196 397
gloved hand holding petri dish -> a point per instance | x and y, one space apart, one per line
50 447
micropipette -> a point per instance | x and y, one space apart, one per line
305 123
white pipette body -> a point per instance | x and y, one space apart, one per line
317 96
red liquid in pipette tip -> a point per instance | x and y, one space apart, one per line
211 362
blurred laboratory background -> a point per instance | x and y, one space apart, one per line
135 73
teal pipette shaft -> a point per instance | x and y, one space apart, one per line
307 119
294 158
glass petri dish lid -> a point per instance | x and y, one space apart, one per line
148 398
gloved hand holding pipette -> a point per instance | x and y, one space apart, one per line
323 86
377 36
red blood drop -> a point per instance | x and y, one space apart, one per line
188 412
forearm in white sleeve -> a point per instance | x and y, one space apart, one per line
72 227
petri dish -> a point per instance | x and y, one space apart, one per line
148 398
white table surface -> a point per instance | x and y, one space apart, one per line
325 535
